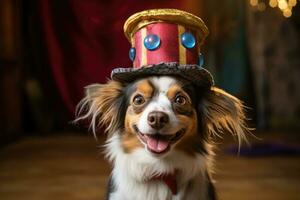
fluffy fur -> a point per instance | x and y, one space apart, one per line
194 117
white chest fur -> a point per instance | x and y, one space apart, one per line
131 174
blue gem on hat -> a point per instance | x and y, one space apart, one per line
132 53
188 40
201 60
152 42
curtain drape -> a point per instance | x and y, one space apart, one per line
84 40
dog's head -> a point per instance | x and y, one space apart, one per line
162 113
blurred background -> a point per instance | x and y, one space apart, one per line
50 50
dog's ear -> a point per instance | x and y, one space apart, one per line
102 105
224 113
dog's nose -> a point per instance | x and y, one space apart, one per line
157 120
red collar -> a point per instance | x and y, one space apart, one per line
169 180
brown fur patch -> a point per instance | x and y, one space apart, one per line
180 109
187 115
173 90
145 88
224 113
101 105
130 140
190 141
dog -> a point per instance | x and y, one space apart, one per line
160 132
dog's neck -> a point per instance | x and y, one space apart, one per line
134 172
169 179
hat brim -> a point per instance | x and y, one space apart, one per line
194 73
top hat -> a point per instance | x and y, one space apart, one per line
165 42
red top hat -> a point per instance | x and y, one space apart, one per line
165 42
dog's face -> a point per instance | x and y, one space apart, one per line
164 113
160 114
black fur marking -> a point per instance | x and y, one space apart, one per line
211 192
202 132
187 110
110 188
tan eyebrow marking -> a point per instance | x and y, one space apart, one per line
173 90
145 87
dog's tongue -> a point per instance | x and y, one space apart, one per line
157 144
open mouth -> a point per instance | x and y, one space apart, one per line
158 143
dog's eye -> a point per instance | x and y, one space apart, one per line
138 100
180 100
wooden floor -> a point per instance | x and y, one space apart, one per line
71 167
